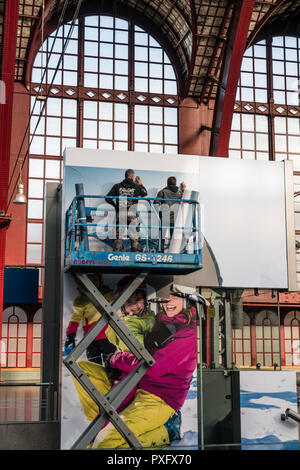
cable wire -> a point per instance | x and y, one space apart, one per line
60 22
49 89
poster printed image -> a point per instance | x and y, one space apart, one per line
264 397
230 199
162 409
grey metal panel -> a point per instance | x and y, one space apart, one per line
290 226
51 324
30 436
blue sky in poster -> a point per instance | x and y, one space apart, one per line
98 181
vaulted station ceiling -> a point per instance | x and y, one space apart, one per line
194 32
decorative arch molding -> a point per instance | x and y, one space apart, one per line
14 314
269 315
290 317
37 317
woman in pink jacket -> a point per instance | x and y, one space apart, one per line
163 389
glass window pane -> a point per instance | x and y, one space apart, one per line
105 111
121 112
52 146
140 113
52 169
141 132
53 126
156 114
121 83
105 130
90 109
35 188
247 122
170 135
121 131
69 127
54 106
90 129
156 134
121 67
69 108
36 168
171 116
37 145
106 81
35 209
34 233
34 254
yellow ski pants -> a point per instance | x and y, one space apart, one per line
145 415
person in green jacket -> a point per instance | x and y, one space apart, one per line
138 317
135 313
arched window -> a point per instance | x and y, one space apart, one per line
266 122
267 338
36 339
14 338
241 344
115 89
292 338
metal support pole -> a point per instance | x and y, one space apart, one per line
82 216
279 329
227 334
200 384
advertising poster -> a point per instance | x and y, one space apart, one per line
199 228
241 207
171 386
265 396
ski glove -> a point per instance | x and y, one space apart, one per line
157 339
112 372
70 340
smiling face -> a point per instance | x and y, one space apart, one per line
135 305
173 305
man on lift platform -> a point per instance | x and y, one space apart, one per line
125 207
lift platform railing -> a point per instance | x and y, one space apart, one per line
183 234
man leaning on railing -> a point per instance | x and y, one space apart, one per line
120 198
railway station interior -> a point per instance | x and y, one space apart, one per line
213 78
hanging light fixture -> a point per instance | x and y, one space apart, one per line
20 197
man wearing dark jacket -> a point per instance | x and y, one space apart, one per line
173 192
125 207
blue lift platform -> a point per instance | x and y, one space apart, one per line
82 234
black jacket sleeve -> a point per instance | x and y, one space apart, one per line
112 192
142 191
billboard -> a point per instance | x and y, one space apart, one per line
162 409
246 219
215 223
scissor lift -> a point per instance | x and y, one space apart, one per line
79 260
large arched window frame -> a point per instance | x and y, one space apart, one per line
292 338
14 338
266 121
115 89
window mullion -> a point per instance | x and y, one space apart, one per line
80 83
270 99
131 86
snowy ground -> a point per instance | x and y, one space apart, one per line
73 421
264 397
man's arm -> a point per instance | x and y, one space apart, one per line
112 192
142 190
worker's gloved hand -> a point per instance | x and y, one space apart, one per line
70 341
157 339
112 372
